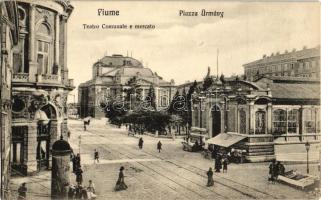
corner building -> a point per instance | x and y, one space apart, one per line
9 28
40 84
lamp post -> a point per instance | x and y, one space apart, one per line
307 147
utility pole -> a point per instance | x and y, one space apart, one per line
217 65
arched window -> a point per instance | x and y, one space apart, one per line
242 125
260 122
44 49
279 122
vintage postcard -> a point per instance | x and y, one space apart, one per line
160 99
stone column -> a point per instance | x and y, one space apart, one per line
252 117
32 166
269 118
57 26
65 75
222 116
32 41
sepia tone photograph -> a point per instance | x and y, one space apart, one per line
172 100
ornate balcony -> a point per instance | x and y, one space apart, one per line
20 77
48 78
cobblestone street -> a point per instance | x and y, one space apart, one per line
171 174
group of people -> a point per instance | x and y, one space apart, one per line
141 142
275 169
80 192
219 162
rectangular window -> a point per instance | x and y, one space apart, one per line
293 116
43 58
309 116
279 122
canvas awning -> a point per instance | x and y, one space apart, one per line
225 139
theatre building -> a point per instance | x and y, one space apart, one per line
265 118
111 76
40 84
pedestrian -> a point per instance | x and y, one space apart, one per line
280 168
22 192
225 162
159 146
71 192
84 126
79 191
91 193
68 134
77 161
210 180
140 143
272 170
218 163
79 176
96 156
120 184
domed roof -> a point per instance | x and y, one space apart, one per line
61 145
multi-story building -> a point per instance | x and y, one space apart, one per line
40 83
110 78
303 63
8 38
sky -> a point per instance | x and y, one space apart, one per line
183 47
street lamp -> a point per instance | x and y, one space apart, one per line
307 147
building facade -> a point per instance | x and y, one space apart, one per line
9 38
110 78
262 116
40 84
302 63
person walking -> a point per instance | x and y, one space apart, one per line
120 184
85 126
79 175
140 143
22 192
225 162
210 180
218 163
272 171
96 156
159 146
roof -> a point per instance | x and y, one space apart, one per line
119 60
61 145
296 55
295 90
289 79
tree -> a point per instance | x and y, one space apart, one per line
189 98
222 79
152 97
207 83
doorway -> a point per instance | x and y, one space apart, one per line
216 121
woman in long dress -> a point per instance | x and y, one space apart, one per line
210 180
120 185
